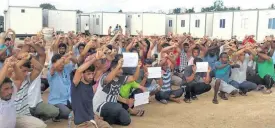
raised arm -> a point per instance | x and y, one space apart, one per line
136 75
82 68
113 73
114 38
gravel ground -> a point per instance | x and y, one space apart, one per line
253 111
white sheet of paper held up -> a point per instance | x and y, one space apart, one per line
141 98
202 66
130 60
154 72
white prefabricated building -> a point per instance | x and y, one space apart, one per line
24 20
82 20
171 24
266 23
60 20
183 23
223 25
245 23
149 23
101 21
201 24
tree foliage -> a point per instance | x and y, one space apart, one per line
47 6
79 11
272 6
219 6
178 10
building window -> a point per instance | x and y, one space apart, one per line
138 15
22 10
244 23
97 21
222 23
182 23
130 16
170 23
271 23
197 24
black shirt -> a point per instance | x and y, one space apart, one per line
82 102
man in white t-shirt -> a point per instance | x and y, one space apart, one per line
87 28
8 90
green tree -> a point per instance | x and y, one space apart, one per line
219 6
190 10
79 11
176 10
47 6
120 11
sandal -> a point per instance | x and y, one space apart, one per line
267 92
194 98
187 100
223 96
242 93
139 113
215 101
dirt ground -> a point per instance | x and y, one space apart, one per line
253 111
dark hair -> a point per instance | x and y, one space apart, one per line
55 58
118 56
81 45
110 47
148 61
156 55
185 44
197 59
133 49
62 45
27 64
91 69
223 53
6 80
113 64
165 45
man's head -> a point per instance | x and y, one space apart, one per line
224 57
166 45
114 65
88 74
110 27
55 58
6 89
81 47
26 68
241 56
195 52
62 48
185 47
197 60
86 24
147 63
212 52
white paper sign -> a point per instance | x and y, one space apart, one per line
130 60
154 72
202 66
141 98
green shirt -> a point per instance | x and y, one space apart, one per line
265 68
125 90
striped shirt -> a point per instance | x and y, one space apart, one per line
183 60
166 78
21 100
107 92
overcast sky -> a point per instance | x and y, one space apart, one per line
133 5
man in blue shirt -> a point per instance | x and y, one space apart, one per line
60 83
222 72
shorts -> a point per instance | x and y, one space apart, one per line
224 87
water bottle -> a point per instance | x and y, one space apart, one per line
70 120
